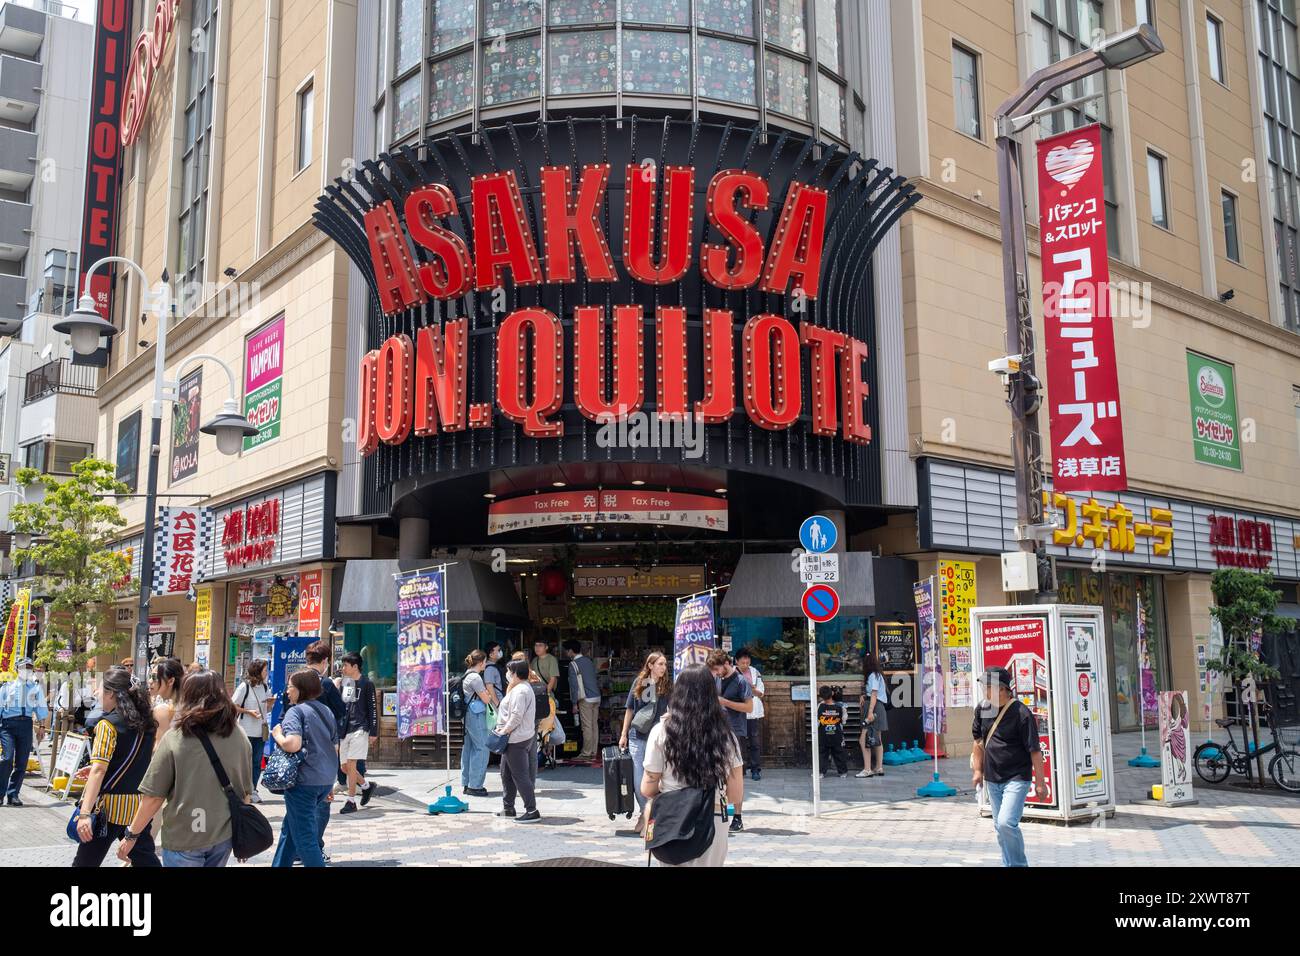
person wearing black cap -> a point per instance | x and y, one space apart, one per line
1005 759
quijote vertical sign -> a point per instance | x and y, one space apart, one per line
1083 383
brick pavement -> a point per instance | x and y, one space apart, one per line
864 822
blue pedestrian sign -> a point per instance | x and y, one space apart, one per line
817 534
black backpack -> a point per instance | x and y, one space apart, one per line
457 698
541 701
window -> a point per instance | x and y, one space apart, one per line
966 91
306 114
1279 77
1214 47
1146 12
55 457
1156 187
1231 244
128 449
1058 30
192 220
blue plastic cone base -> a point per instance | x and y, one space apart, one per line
1144 759
936 788
448 804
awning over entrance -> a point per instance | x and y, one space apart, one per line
765 585
474 592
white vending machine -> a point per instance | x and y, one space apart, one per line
1056 654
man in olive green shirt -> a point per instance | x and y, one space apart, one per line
547 667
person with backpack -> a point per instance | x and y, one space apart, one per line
478 697
182 783
736 698
517 722
875 718
359 729
252 702
545 711
309 727
647 700
690 754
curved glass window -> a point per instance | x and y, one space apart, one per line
786 85
406 99
726 16
564 12
584 61
828 35
451 86
656 62
784 25
830 107
409 16
510 16
726 70
453 24
511 70
671 12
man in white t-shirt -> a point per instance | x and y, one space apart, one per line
754 740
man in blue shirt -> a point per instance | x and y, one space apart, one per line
21 700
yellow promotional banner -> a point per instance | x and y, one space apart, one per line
14 645
957 597
202 625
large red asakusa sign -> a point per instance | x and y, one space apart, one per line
420 386
1083 384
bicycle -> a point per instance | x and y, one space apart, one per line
1215 761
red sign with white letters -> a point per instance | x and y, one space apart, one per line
1082 380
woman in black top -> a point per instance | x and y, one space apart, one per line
119 757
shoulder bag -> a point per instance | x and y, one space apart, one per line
250 831
983 741
643 720
281 772
679 825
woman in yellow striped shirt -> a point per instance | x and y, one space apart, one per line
119 757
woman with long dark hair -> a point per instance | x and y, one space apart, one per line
252 701
181 775
119 757
646 702
165 677
875 719
693 747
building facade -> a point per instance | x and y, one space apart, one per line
1198 213
237 132
47 404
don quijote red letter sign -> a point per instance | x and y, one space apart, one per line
420 386
1083 383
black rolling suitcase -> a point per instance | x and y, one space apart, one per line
617 766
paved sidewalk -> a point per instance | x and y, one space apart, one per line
874 821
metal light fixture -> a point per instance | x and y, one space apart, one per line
230 428
85 326
1132 46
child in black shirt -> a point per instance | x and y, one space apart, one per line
830 732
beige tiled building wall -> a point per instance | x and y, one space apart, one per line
261 199
953 304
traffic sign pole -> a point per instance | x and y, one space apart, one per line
812 717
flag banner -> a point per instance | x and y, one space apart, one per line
421 654
1082 380
181 542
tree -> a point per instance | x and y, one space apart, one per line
78 574
1244 604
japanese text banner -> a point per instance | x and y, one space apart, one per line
1082 380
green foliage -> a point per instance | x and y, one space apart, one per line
1244 605
77 574
595 614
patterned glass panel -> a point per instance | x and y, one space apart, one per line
726 70
453 24
451 86
583 61
656 62
786 85
511 70
726 16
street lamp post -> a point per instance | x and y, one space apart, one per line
85 326
1023 387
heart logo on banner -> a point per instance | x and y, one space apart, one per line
1067 164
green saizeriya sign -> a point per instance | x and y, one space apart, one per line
1212 388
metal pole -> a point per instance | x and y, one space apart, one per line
812 718
1026 437
162 314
